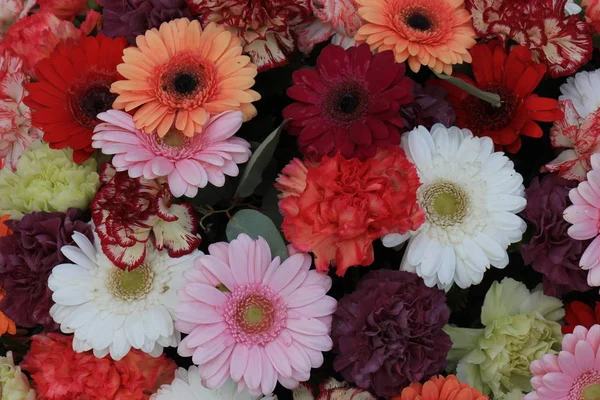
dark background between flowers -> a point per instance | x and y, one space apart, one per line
272 85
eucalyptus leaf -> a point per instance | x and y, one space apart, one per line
252 175
255 224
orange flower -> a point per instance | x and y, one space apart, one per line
179 74
435 33
440 388
6 324
4 231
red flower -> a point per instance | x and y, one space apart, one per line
578 313
338 208
513 77
561 42
74 87
127 212
349 103
59 373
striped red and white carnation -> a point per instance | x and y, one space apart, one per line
265 26
127 212
562 42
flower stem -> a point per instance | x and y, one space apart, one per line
491 98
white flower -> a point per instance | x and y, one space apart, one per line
110 310
583 90
14 384
187 385
572 8
470 196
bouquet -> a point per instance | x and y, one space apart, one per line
307 199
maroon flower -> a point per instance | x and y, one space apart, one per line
127 212
428 108
389 332
26 260
349 103
551 250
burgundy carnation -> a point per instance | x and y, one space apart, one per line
26 260
429 107
349 103
552 251
389 332
131 18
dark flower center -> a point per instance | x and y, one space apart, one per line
93 101
419 21
348 104
483 116
184 83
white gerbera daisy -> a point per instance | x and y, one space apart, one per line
583 90
572 8
187 385
470 196
110 310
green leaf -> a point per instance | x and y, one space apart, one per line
252 175
255 224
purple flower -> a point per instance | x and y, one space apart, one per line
26 260
388 332
428 108
130 18
552 251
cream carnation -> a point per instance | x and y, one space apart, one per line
14 384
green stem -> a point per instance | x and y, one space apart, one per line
491 98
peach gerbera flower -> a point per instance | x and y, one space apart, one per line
440 388
435 33
179 74
6 324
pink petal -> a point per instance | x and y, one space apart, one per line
320 343
204 354
161 166
191 172
294 283
220 250
239 359
223 126
308 326
557 381
276 353
118 118
315 356
177 184
584 356
217 380
550 362
586 191
253 373
206 294
269 375
583 230
593 337
577 214
593 277
139 155
204 333
326 306
286 272
238 259
591 255
217 365
567 364
220 270
306 295
198 313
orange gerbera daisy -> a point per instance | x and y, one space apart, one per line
6 324
179 75
4 230
440 388
435 33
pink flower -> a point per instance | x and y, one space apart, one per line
36 36
256 320
11 11
580 138
592 13
16 132
584 214
574 373
188 162
337 18
63 9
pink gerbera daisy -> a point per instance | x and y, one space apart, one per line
573 374
256 320
188 162
584 214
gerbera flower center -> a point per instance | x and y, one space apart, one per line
444 202
418 20
174 138
586 387
346 102
255 314
184 83
88 102
483 116
131 285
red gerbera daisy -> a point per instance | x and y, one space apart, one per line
580 314
513 77
349 103
73 88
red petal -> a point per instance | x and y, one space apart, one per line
483 64
532 129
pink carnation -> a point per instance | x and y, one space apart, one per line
11 11
63 9
574 373
579 138
33 38
254 318
189 163
16 132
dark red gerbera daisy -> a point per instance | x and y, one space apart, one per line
73 88
349 103
513 77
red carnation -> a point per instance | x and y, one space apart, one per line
578 313
349 103
513 77
73 88
127 212
336 209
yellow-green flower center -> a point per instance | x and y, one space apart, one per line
254 315
445 203
131 285
174 138
592 392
